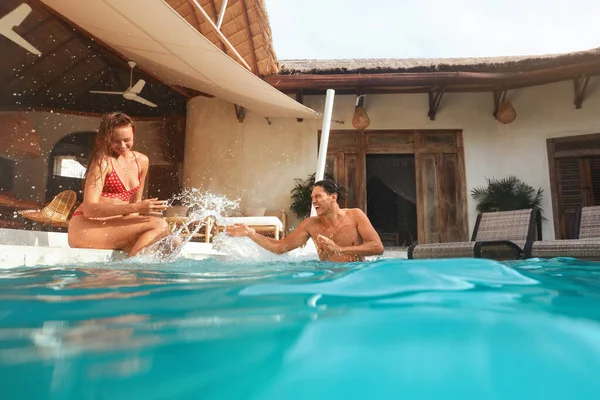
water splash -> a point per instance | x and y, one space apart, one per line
202 206
244 249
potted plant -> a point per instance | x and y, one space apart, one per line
507 194
301 196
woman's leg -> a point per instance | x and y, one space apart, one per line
129 233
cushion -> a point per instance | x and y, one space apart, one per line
251 221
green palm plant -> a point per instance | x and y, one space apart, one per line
301 195
507 194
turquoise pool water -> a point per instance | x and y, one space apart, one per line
389 329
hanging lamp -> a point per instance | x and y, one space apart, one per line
360 120
18 139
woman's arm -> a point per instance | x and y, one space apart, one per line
144 163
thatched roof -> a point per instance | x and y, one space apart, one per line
246 26
396 65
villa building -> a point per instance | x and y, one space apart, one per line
410 138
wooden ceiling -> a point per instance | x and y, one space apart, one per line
70 65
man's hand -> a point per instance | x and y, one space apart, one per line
238 230
327 245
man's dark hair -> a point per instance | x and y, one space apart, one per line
330 188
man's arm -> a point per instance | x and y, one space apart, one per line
371 245
292 241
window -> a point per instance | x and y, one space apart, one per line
69 167
7 172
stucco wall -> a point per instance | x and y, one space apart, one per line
31 175
257 161
251 161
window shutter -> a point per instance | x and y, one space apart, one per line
570 175
594 168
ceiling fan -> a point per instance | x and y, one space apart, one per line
133 91
13 19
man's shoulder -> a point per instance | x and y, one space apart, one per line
355 212
308 221
311 220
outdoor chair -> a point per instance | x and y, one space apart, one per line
186 228
586 244
55 214
271 223
497 235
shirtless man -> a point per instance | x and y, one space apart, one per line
340 235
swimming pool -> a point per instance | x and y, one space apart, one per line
388 329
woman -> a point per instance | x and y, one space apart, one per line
111 215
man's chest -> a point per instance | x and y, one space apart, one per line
342 233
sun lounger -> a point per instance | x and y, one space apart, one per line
586 245
273 223
498 235
262 224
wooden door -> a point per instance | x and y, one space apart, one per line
574 168
441 192
347 172
439 168
578 185
346 163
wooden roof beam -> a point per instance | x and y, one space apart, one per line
300 99
220 35
435 97
222 12
499 96
38 91
103 47
580 84
240 113
428 79
252 48
42 57
214 10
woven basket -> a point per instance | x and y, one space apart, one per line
506 113
360 120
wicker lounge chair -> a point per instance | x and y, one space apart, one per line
55 214
498 235
586 244
186 228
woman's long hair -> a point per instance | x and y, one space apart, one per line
102 150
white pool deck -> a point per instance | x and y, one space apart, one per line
20 248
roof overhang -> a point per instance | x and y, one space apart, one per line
158 39
416 82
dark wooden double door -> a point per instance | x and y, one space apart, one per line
439 175
575 179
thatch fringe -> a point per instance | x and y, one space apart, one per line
481 64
